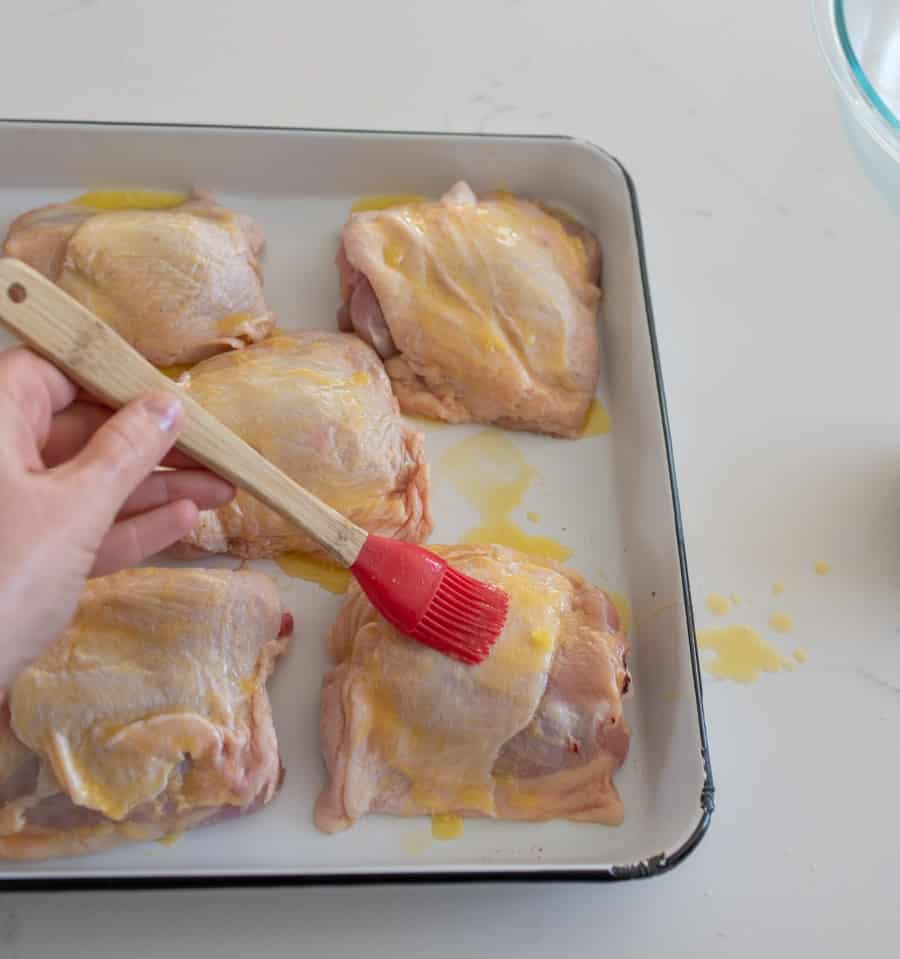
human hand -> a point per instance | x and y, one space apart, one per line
79 497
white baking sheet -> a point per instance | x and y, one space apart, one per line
607 497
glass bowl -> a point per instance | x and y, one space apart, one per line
860 40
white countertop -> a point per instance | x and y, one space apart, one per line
772 261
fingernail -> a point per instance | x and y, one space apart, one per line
164 408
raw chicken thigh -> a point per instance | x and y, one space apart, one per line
319 406
483 310
180 284
534 732
148 716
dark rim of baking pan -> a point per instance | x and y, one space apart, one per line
653 865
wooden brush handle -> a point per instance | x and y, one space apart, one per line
97 358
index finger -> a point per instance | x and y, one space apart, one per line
174 459
71 429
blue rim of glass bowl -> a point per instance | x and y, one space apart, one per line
859 74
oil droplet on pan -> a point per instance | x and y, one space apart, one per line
417 842
718 604
598 420
777 588
446 826
781 622
822 568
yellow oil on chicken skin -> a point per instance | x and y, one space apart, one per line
535 732
385 201
147 717
319 406
483 309
129 199
176 275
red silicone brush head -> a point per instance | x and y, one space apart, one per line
425 598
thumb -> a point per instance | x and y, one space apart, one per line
125 450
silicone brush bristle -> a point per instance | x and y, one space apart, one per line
425 598
464 618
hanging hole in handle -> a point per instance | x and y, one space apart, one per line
16 293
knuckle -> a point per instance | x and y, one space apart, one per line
168 485
122 441
135 543
16 362
18 367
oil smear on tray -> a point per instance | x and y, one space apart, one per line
314 569
492 473
598 421
446 826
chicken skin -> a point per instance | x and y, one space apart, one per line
180 284
483 310
535 732
147 717
319 406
